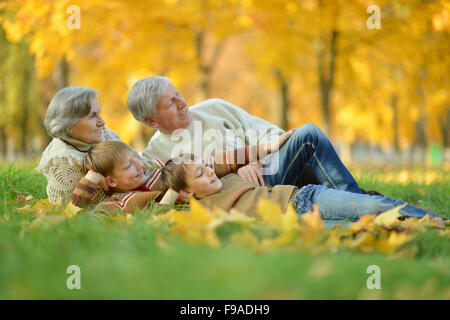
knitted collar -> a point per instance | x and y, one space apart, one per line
77 144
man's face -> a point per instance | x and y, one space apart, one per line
172 112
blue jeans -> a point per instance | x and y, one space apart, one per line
338 206
308 144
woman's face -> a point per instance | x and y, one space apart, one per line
90 128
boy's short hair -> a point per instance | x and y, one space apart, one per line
103 156
173 174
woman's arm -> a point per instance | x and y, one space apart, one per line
62 177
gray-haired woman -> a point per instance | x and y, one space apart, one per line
73 120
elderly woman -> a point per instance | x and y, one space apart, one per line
73 120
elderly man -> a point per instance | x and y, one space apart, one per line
156 102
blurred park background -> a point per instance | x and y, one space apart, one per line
381 94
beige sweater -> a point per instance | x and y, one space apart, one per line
220 126
244 196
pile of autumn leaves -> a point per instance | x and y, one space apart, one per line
272 229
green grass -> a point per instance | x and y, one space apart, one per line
138 261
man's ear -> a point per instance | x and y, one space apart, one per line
151 122
111 182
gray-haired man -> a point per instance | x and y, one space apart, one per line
157 103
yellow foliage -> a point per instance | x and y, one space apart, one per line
245 41
271 215
313 220
383 233
389 218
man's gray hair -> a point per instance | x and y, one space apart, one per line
144 95
68 106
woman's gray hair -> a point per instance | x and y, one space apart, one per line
144 95
68 106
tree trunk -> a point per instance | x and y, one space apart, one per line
326 70
61 75
204 70
394 105
204 67
444 123
284 98
421 137
24 101
4 142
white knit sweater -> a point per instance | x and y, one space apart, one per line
222 117
61 165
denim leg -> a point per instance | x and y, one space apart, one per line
308 144
343 205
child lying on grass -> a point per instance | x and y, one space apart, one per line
134 184
190 174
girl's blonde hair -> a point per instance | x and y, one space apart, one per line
103 156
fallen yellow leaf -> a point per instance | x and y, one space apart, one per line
388 218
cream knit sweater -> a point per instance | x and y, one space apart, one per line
216 123
61 165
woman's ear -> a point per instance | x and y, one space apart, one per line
111 182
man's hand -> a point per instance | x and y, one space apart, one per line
252 173
276 144
98 179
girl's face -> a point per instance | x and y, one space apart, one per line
201 180
128 173
90 128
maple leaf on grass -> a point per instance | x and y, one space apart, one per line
389 218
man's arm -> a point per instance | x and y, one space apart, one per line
254 127
233 160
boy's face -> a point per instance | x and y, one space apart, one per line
128 173
201 180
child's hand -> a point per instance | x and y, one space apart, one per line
277 143
170 197
184 197
98 179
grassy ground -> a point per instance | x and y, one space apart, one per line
130 261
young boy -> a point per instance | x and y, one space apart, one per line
133 183
188 174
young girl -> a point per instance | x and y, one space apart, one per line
188 174
134 183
